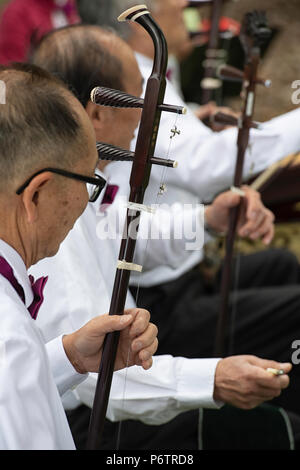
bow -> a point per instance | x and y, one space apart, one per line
253 34
142 162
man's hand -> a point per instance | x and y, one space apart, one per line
244 382
255 220
207 112
138 337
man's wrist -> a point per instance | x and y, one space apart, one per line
208 227
70 353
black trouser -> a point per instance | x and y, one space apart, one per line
266 322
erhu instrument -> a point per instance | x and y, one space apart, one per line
215 54
254 33
141 168
210 84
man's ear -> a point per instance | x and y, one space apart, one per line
98 115
31 195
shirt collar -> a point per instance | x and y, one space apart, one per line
19 269
100 173
100 199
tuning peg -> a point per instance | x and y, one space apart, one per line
199 3
228 120
118 99
112 153
198 34
227 72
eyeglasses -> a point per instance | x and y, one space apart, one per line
94 184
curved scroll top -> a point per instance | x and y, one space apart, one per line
132 14
256 26
254 31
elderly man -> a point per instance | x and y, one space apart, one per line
74 54
46 184
206 163
206 159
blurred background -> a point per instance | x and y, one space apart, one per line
280 63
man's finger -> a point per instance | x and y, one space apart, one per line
263 226
146 339
265 232
140 323
264 374
268 237
147 364
148 352
108 323
251 226
229 199
268 363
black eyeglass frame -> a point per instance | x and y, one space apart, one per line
97 180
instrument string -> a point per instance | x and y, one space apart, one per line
162 188
144 257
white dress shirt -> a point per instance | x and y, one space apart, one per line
79 287
206 158
206 165
167 242
31 376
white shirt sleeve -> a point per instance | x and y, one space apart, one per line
206 159
64 374
167 233
32 417
207 163
170 387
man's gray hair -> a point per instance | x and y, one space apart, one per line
106 12
38 126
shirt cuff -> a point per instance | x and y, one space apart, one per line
65 376
196 383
